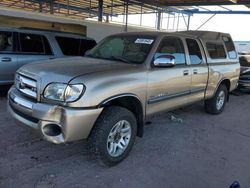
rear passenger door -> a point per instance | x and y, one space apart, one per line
33 48
198 68
8 57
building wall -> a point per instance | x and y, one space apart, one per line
99 30
8 21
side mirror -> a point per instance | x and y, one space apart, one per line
164 61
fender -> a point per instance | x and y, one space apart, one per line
219 83
140 117
106 101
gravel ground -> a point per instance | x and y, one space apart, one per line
202 151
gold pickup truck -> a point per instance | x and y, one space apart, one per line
106 96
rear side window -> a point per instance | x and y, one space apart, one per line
74 47
172 46
86 45
47 47
31 43
194 52
6 42
216 51
34 44
69 46
230 47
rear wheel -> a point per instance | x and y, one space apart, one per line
113 136
216 104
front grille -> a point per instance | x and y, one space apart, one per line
26 85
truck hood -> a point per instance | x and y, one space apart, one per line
63 70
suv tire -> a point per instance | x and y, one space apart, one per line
216 104
113 135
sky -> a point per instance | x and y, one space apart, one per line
237 25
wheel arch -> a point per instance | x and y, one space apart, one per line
227 83
130 102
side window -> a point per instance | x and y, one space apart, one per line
31 43
172 46
194 52
6 42
230 47
216 51
86 45
69 46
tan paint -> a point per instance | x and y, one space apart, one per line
107 79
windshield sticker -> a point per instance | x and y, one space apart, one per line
144 41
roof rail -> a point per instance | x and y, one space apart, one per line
50 30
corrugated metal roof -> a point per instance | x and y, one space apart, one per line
195 2
89 8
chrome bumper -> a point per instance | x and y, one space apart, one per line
75 124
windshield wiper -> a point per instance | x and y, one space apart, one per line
120 58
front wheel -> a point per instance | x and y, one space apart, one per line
114 134
216 104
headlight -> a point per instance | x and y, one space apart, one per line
73 92
63 92
55 91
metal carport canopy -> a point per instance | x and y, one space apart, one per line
106 9
195 2
92 8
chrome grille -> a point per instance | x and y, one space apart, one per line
26 85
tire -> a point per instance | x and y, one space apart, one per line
212 105
110 129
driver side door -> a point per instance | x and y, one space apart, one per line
169 87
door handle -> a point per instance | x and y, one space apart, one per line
185 72
6 59
195 71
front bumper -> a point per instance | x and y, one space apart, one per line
74 123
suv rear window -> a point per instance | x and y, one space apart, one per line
35 44
216 51
74 47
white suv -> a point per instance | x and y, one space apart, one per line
21 46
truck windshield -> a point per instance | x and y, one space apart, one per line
128 49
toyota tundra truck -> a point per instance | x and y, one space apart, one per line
108 95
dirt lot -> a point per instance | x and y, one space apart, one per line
203 151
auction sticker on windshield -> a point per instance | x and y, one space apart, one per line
144 41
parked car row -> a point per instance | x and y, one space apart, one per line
21 46
25 45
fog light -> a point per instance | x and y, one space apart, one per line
52 130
